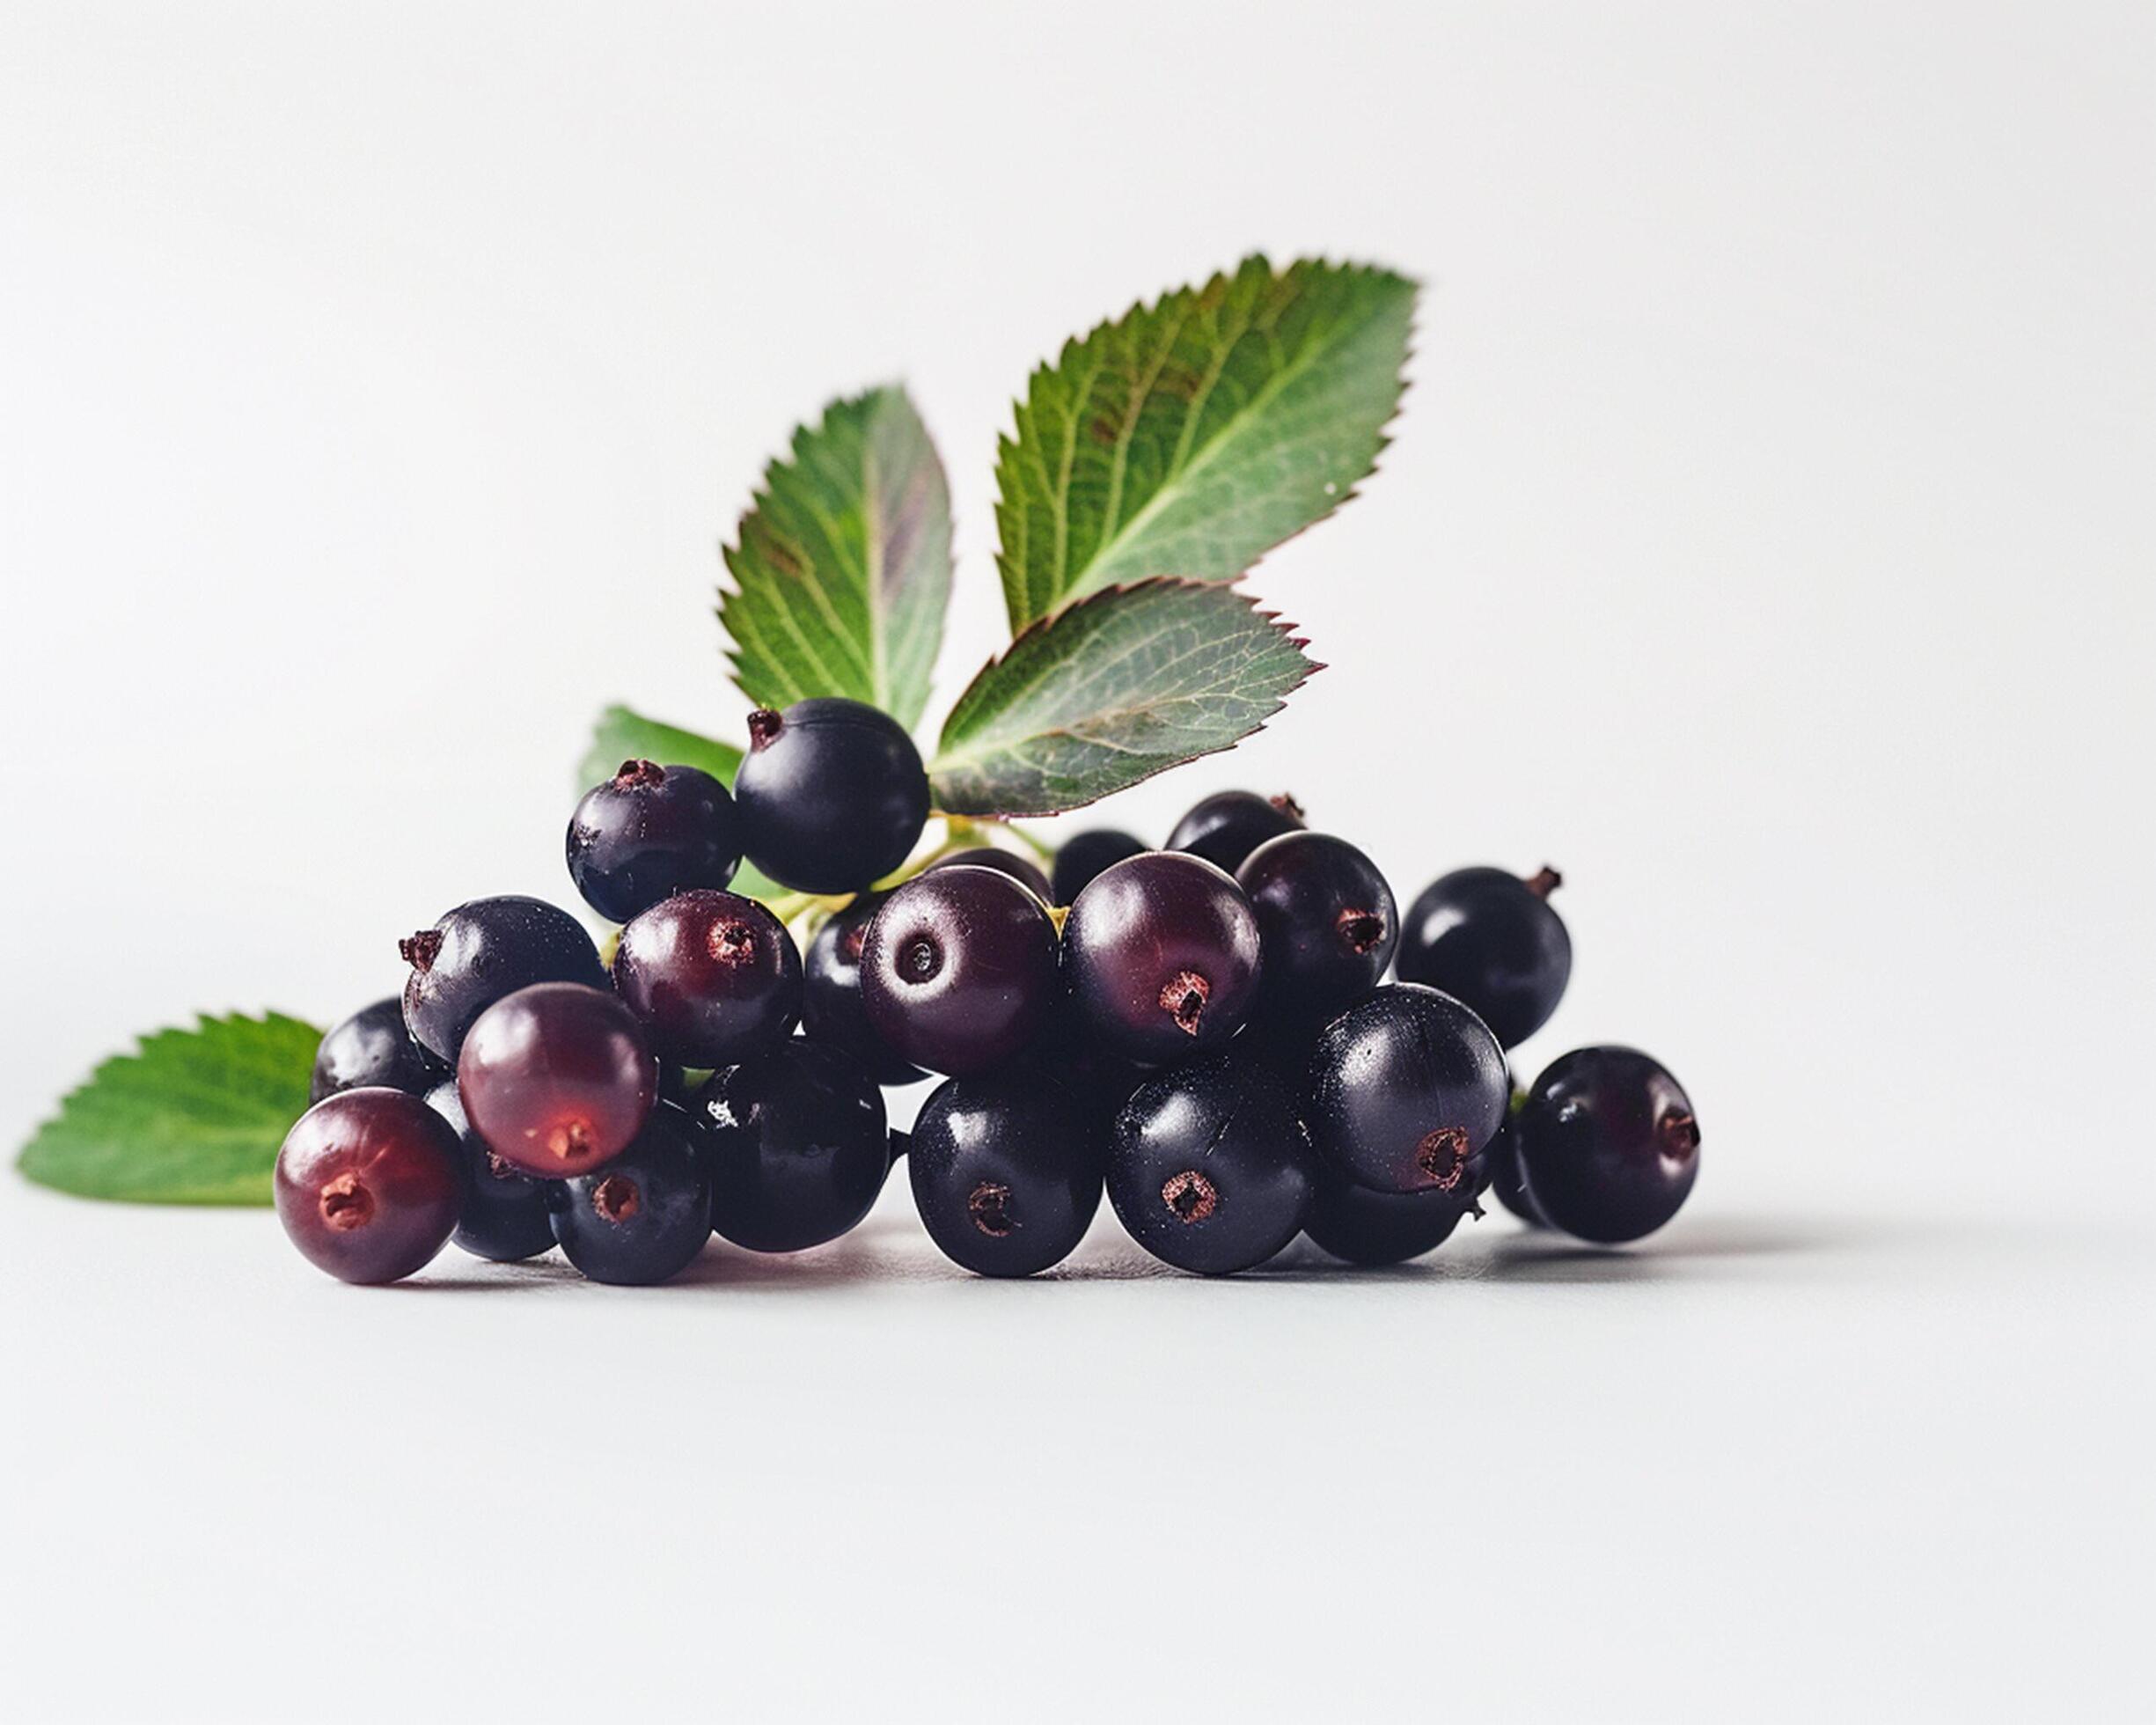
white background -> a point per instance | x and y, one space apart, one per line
1766 542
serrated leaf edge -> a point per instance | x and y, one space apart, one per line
1310 668
1006 443
140 1050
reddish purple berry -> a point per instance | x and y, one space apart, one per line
367 1184
714 976
557 1079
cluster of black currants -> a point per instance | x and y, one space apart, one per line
1202 1032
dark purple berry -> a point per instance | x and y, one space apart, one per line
1210 1169
481 951
1407 1089
1227 826
714 976
557 1079
646 1215
832 793
1608 1143
647 833
1491 939
799 1147
1328 922
833 1011
1027 874
373 1047
504 1213
959 971
1163 954
1006 1171
1083 856
1101 1079
1359 1226
367 1184
1503 1157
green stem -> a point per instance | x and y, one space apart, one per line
1040 847
787 906
960 832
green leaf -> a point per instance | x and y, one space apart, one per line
843 570
195 1116
1192 436
622 735
1119 686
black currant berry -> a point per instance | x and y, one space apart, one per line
1407 1088
646 1215
1328 922
1083 856
714 976
1210 1169
367 1184
504 1213
1227 826
1503 1158
959 969
833 1011
1027 874
373 1047
1099 1078
832 795
557 1079
799 1147
1162 951
1608 1143
480 952
649 831
1491 939
1006 1171
1359 1226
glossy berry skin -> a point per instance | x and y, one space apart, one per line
1099 1078
1161 953
1083 856
1328 922
367 1184
799 1147
1504 1163
1359 1226
1006 1171
959 970
832 793
1027 874
481 951
1490 939
504 1213
1608 1145
372 1047
557 1079
645 1217
833 1011
1227 826
1209 1168
1406 1090
650 832
714 977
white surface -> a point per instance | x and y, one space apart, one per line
1767 543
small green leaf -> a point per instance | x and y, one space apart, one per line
1191 436
195 1117
1119 686
621 735
843 568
